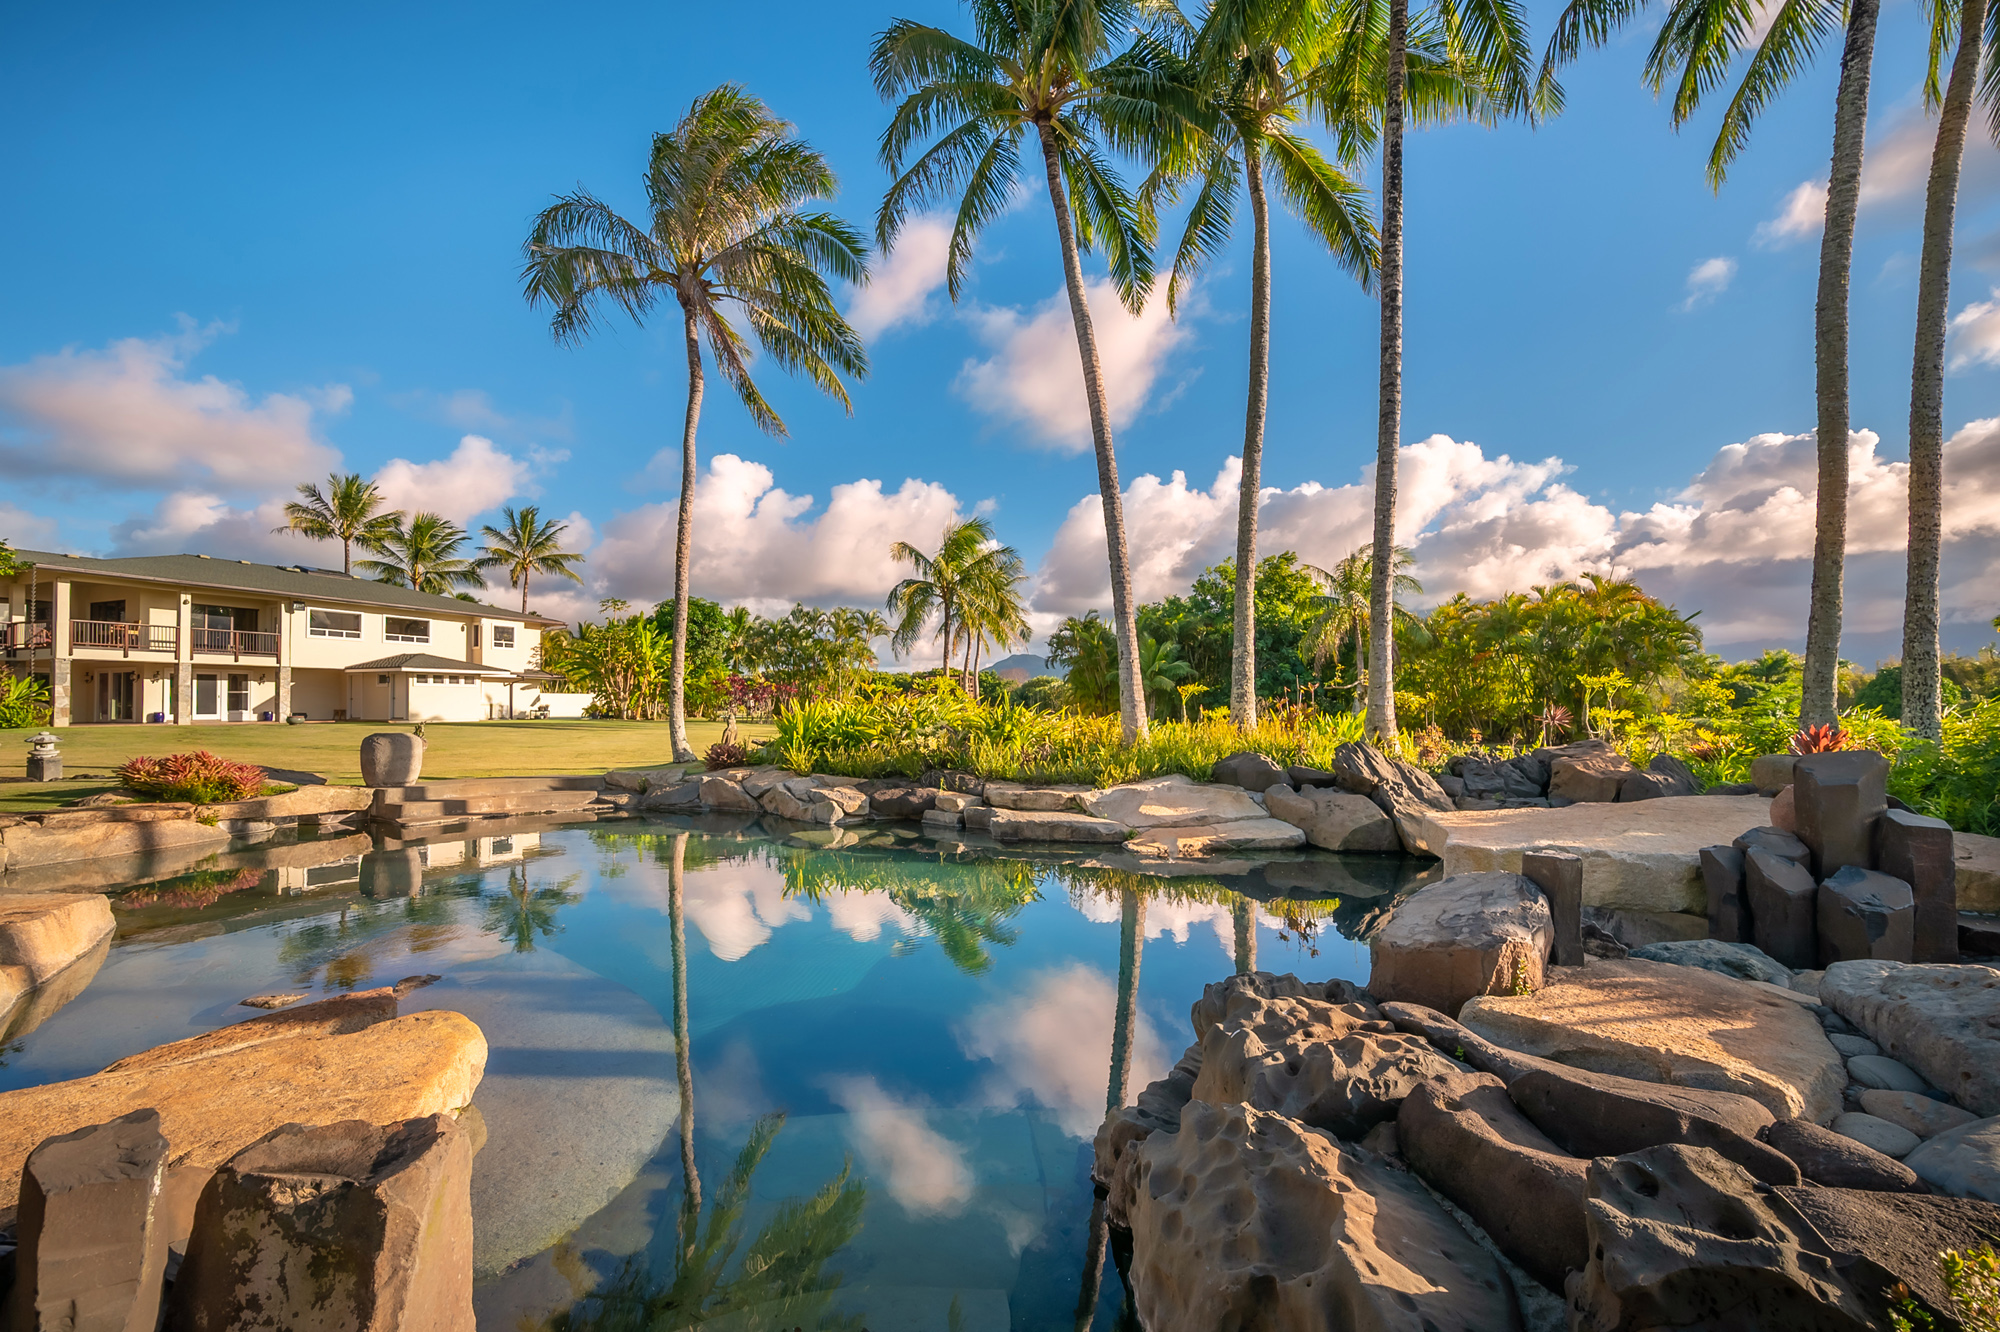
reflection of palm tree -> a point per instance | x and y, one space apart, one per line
965 907
1245 913
677 920
1131 947
527 911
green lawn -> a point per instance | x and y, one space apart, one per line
456 749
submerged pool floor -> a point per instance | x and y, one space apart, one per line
894 1058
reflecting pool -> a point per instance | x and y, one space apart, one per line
741 1078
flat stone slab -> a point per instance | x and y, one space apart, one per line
1964 1162
1219 838
1643 856
1978 861
1941 1020
1173 801
1015 825
28 845
41 933
1681 1025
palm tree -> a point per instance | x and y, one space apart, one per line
524 544
1698 41
1043 66
972 577
1456 60
1088 648
422 555
1347 605
1161 669
1260 72
349 511
1922 710
726 191
993 610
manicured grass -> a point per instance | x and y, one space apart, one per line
456 749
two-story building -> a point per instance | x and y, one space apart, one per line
187 638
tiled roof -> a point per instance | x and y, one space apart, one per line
283 580
424 661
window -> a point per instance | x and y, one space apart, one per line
242 619
503 635
406 631
474 631
333 624
239 693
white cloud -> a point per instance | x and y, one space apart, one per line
128 416
1975 334
756 544
25 530
926 1173
1802 214
1895 168
476 477
200 522
1707 280
899 290
1035 374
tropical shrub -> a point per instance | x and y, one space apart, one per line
1957 780
200 777
726 754
24 701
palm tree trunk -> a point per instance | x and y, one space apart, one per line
1389 419
1922 712
1817 704
1243 660
1131 711
524 591
684 552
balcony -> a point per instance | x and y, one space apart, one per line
21 636
236 643
121 637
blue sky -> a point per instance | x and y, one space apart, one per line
256 243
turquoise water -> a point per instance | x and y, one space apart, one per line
896 1052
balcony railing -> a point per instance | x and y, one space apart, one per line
127 638
238 643
20 636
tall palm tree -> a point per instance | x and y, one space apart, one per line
1260 71
1346 604
1697 43
972 577
1046 67
1922 709
350 510
1461 58
993 610
422 554
525 544
726 225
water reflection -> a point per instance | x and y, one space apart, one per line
524 912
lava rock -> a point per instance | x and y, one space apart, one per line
1839 1162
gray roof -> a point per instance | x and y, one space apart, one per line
424 661
296 581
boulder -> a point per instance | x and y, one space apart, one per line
43 933
952 779
1303 775
721 793
1157 1109
316 1062
1963 1162
1894 1240
1682 1239
1644 857
1219 838
346 1225
29 845
850 800
1034 799
1403 791
1678 1025
1247 992
677 797
1880 1135
391 758
1522 778
1252 772
1471 934
1978 874
1009 825
1839 796
942 822
1470 1143
1596 1114
1728 903
1920 1114
1918 851
1886 1073
1784 909
1589 778
954 802
758 782
1942 1021
92 1251
639 780
1978 936
1460 1043
902 802
1172 801
1333 819
1244 1219
1863 914
799 801
1837 1161
1771 773
1664 776
1741 960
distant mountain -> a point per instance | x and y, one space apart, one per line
1024 666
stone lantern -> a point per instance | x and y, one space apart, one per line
44 759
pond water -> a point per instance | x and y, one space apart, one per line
740 1080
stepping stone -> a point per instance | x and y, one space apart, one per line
1919 1114
1885 1073
1883 1136
274 1000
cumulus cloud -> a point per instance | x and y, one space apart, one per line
1707 280
1894 169
128 415
201 522
756 544
475 477
24 530
1802 214
1034 376
1975 334
926 1172
899 290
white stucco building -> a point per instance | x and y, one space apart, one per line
187 638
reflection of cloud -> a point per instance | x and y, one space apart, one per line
926 1173
732 1088
861 915
735 906
1052 1041
1164 916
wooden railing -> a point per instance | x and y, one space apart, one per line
237 643
20 636
127 638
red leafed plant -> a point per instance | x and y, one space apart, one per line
200 777
1819 739
726 754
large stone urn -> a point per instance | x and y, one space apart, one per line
391 758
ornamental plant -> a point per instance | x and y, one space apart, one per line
200 777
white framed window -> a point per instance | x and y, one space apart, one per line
333 624
399 630
503 635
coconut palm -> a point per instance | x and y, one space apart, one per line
727 225
1346 604
1260 71
1698 42
1088 649
422 555
993 611
1046 67
350 510
970 584
1161 670
525 544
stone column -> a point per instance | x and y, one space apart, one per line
1918 851
184 664
1838 797
284 660
1559 875
59 656
93 1249
1728 909
1784 906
